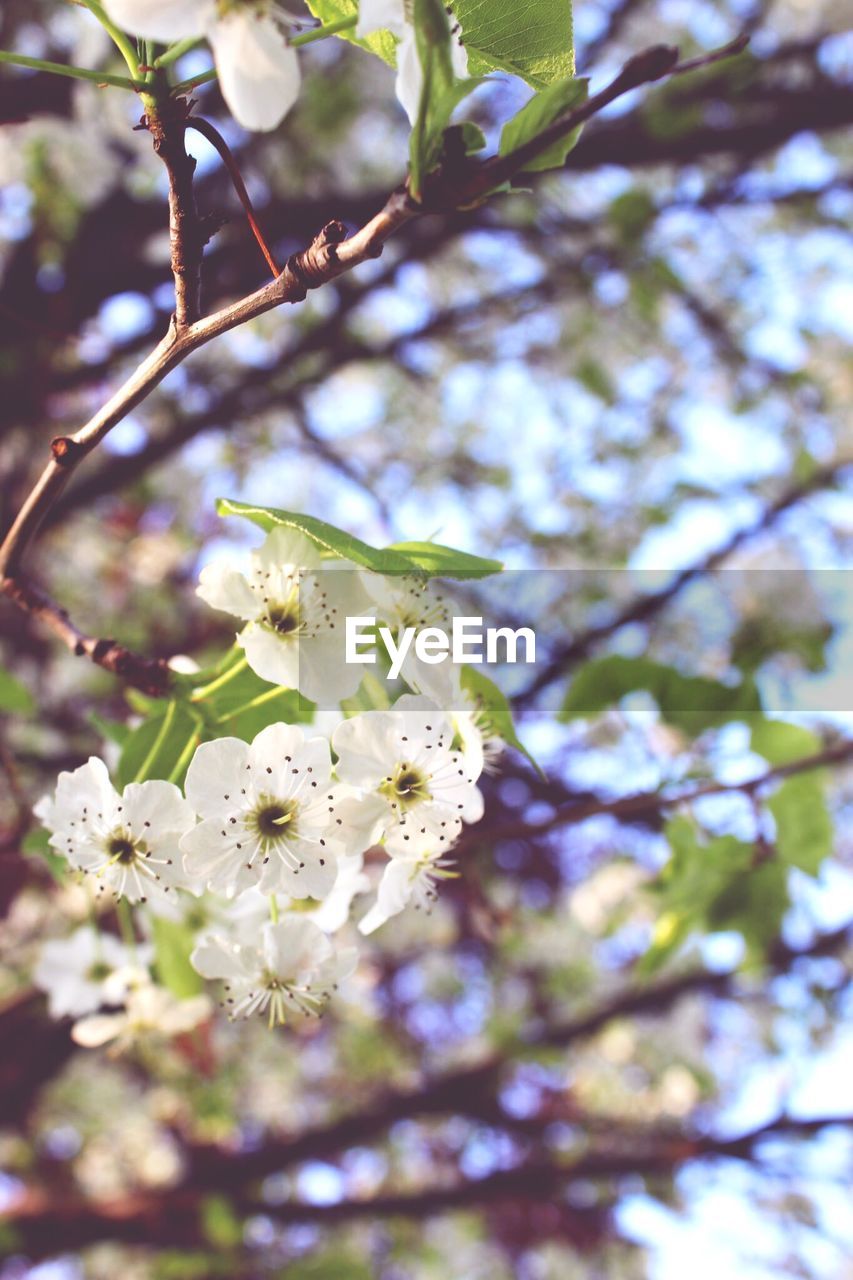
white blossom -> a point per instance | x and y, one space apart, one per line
293 968
294 605
408 601
404 760
407 880
79 973
258 71
128 843
270 815
149 1009
391 15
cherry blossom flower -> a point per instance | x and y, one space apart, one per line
128 843
293 968
149 1009
294 605
392 15
403 758
405 880
258 71
79 973
408 601
270 815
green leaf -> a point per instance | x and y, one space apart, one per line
631 214
781 742
691 703
162 746
533 118
804 833
247 704
36 844
445 562
715 885
382 43
427 559
14 696
173 943
534 41
441 92
494 708
752 904
220 1224
331 541
371 695
113 730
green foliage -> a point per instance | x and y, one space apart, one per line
371 695
331 1265
781 742
761 636
382 43
424 558
35 844
804 830
690 703
716 885
536 115
162 746
534 41
173 943
631 214
494 708
446 562
246 704
441 92
14 696
804 833
220 1223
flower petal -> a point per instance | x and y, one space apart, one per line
258 72
379 15
214 777
163 20
224 587
271 656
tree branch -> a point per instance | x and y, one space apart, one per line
645 607
330 254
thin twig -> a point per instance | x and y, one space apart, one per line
330 254
216 140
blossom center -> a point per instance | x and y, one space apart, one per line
406 786
283 617
275 819
121 849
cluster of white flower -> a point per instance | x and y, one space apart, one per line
266 846
258 69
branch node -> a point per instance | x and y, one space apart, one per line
66 451
652 64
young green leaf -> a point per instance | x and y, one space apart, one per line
173 943
533 41
781 742
690 703
804 834
542 110
427 559
14 696
495 709
446 562
159 747
382 43
331 541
